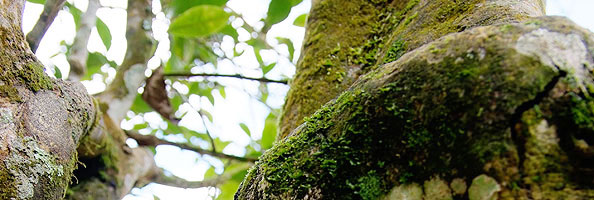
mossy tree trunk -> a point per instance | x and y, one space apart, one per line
41 119
424 99
49 126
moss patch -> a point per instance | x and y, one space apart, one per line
444 106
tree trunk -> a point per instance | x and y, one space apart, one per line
438 100
41 119
48 126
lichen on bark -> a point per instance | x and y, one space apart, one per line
42 119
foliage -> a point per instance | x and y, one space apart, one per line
199 31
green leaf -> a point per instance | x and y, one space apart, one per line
245 129
183 48
205 53
139 106
202 90
92 70
207 114
57 72
180 6
75 12
104 33
295 2
258 56
222 92
210 98
199 21
278 10
176 101
228 190
269 132
267 68
37 1
96 60
237 54
256 43
210 173
289 44
239 176
300 21
230 31
140 126
221 144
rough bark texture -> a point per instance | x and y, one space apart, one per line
347 39
41 119
48 126
495 111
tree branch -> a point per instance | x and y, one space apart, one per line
150 140
175 181
212 143
79 54
50 11
226 75
122 91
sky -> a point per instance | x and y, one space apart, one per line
226 116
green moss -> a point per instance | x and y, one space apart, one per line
370 186
35 77
409 19
433 112
31 76
583 111
8 187
354 34
397 49
10 92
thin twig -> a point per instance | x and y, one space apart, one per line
212 143
50 11
226 75
150 140
175 181
202 114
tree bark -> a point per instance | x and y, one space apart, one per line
440 100
49 126
347 39
41 119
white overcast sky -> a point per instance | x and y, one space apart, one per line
188 164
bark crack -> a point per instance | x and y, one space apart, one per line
516 117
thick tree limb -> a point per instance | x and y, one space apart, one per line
226 75
126 166
130 74
149 140
50 11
